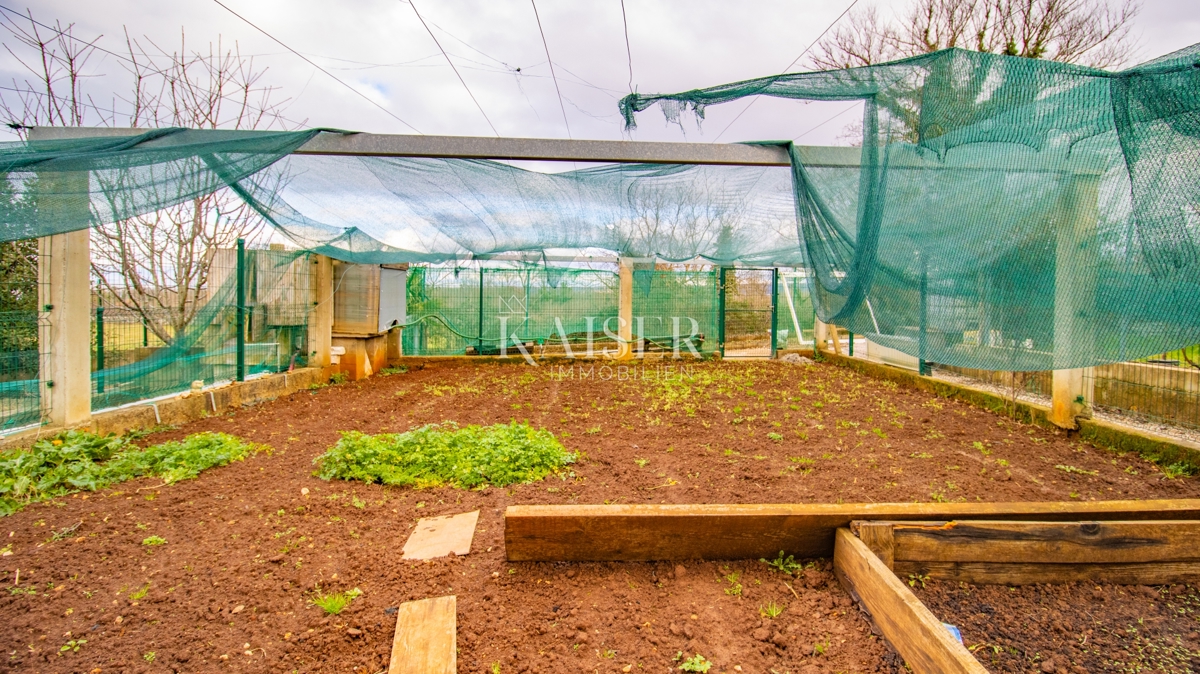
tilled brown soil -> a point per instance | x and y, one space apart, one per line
247 546
1074 628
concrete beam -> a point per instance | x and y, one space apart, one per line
64 293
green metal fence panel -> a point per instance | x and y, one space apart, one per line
678 308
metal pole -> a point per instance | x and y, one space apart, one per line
922 366
145 332
479 342
774 310
851 343
100 348
241 310
721 312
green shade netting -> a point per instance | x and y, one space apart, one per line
1001 213
1005 213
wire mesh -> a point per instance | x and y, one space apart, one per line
148 341
675 309
21 347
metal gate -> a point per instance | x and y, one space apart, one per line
749 312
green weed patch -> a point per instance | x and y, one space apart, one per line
76 461
445 454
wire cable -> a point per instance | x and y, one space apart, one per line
551 62
309 62
789 66
852 106
453 67
628 51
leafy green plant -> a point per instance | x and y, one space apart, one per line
334 603
696 663
338 378
75 461
787 565
154 540
140 593
771 610
820 647
72 646
1176 470
148 656
445 454
777 437
915 579
399 369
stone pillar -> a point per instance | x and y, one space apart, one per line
1074 294
65 297
625 308
320 319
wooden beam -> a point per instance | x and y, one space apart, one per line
425 641
662 532
920 638
990 573
1047 542
879 538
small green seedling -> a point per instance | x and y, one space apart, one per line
140 593
771 610
149 656
72 646
152 541
696 663
789 565
334 603
735 588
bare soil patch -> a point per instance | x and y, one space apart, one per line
246 546
1073 628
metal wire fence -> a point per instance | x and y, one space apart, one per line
22 342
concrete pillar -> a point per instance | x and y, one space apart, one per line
1074 294
65 296
625 308
819 334
320 319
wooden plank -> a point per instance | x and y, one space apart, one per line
439 536
654 532
920 638
996 573
878 537
1052 542
425 641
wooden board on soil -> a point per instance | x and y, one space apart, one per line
425 641
439 536
651 532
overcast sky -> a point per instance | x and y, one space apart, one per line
380 48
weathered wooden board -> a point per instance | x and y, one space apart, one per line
1046 542
652 532
920 638
990 573
879 539
425 641
439 536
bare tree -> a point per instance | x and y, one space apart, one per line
158 265
1087 32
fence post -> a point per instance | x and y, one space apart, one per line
1074 294
479 333
721 311
64 271
145 332
774 311
241 310
320 321
625 308
99 349
923 366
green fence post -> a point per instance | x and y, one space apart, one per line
721 312
145 332
851 343
241 310
479 341
100 348
774 311
922 366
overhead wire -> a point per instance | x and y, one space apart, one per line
452 66
310 62
554 77
628 51
852 106
789 66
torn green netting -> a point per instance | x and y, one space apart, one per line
1003 213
